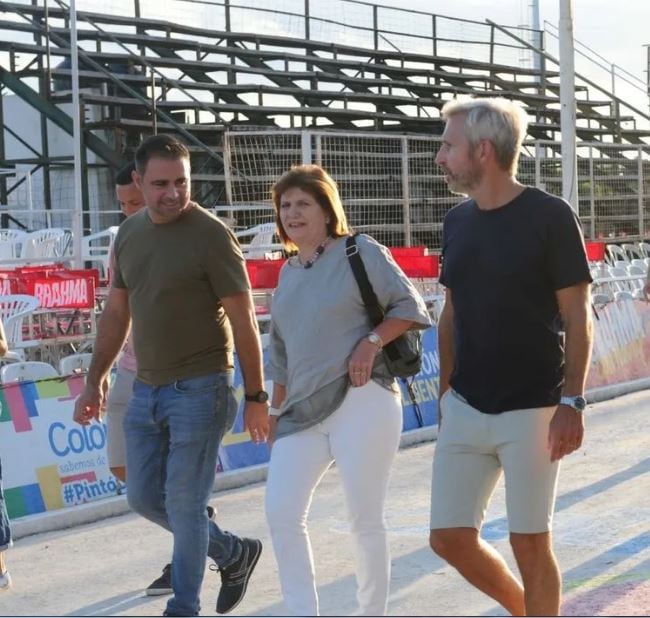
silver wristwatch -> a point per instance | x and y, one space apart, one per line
578 403
373 337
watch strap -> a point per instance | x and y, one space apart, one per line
578 403
259 397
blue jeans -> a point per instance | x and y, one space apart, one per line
5 531
173 434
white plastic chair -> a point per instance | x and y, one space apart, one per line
623 295
601 270
633 269
75 363
64 246
27 371
624 284
96 248
632 250
616 253
645 249
594 271
13 311
618 271
11 242
45 243
601 298
261 242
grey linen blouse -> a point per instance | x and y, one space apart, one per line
318 318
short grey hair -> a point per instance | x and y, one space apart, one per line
499 120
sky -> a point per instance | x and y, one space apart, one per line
616 29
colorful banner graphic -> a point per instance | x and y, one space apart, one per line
49 462
621 343
238 451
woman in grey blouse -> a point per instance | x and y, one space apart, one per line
333 399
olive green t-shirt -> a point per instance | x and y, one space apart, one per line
175 274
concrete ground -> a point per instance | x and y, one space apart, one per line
602 537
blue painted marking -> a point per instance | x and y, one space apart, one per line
33 499
30 395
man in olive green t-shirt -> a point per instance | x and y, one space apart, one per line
180 280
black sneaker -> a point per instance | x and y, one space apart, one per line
161 585
234 578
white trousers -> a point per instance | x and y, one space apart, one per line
362 437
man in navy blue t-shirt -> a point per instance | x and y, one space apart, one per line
515 338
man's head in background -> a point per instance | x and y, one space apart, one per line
128 194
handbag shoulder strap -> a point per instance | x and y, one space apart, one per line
365 287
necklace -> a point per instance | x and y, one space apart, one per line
319 251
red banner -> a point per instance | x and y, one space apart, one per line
412 260
264 273
595 251
55 287
419 266
63 293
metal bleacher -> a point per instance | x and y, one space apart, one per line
384 80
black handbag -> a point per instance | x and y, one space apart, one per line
403 356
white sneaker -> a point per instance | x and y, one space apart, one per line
5 581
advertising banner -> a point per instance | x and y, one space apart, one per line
621 350
424 386
238 451
49 462
64 293
55 287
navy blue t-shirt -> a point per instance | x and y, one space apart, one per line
503 267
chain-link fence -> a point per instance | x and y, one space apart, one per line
392 189
390 184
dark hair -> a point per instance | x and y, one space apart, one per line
162 146
124 177
314 180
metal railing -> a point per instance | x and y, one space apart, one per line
391 187
389 184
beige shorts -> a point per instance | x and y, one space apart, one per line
472 450
118 401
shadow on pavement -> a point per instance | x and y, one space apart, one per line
594 601
112 605
336 598
498 528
